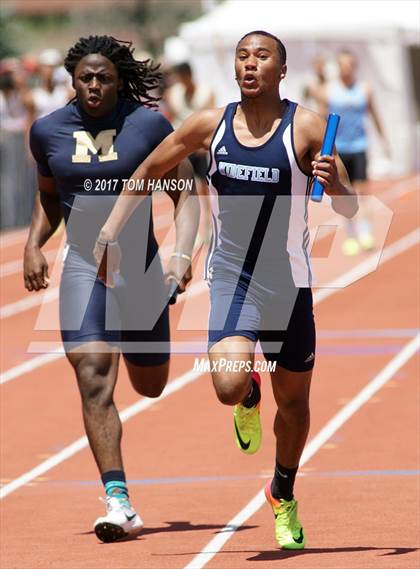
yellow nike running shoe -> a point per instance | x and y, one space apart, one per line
289 532
367 241
247 424
351 247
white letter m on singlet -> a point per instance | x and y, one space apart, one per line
85 144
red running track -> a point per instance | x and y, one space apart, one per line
358 493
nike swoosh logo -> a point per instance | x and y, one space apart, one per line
300 538
244 446
130 518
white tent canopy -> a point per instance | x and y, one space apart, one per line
377 32
291 18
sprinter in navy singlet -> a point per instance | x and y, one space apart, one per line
84 152
72 147
263 152
255 219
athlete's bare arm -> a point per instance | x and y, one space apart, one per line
194 134
46 217
167 160
187 217
330 170
377 121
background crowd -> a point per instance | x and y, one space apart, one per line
33 81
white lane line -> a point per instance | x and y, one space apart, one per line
30 365
20 235
39 361
82 443
348 278
15 267
369 264
400 189
393 193
194 290
216 544
389 252
48 295
368 333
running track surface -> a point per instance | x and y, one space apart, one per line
358 490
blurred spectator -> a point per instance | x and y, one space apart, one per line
353 101
13 96
165 84
51 94
183 98
186 96
17 172
312 91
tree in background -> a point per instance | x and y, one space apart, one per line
7 48
146 22
159 19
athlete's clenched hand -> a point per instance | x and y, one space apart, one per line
325 169
35 269
179 269
107 256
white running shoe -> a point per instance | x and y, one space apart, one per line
121 521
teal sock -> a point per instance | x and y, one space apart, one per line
116 489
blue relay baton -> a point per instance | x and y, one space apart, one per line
326 150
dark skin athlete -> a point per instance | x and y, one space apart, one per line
96 83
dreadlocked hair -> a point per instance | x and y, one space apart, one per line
139 77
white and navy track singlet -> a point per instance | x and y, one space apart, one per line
259 199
